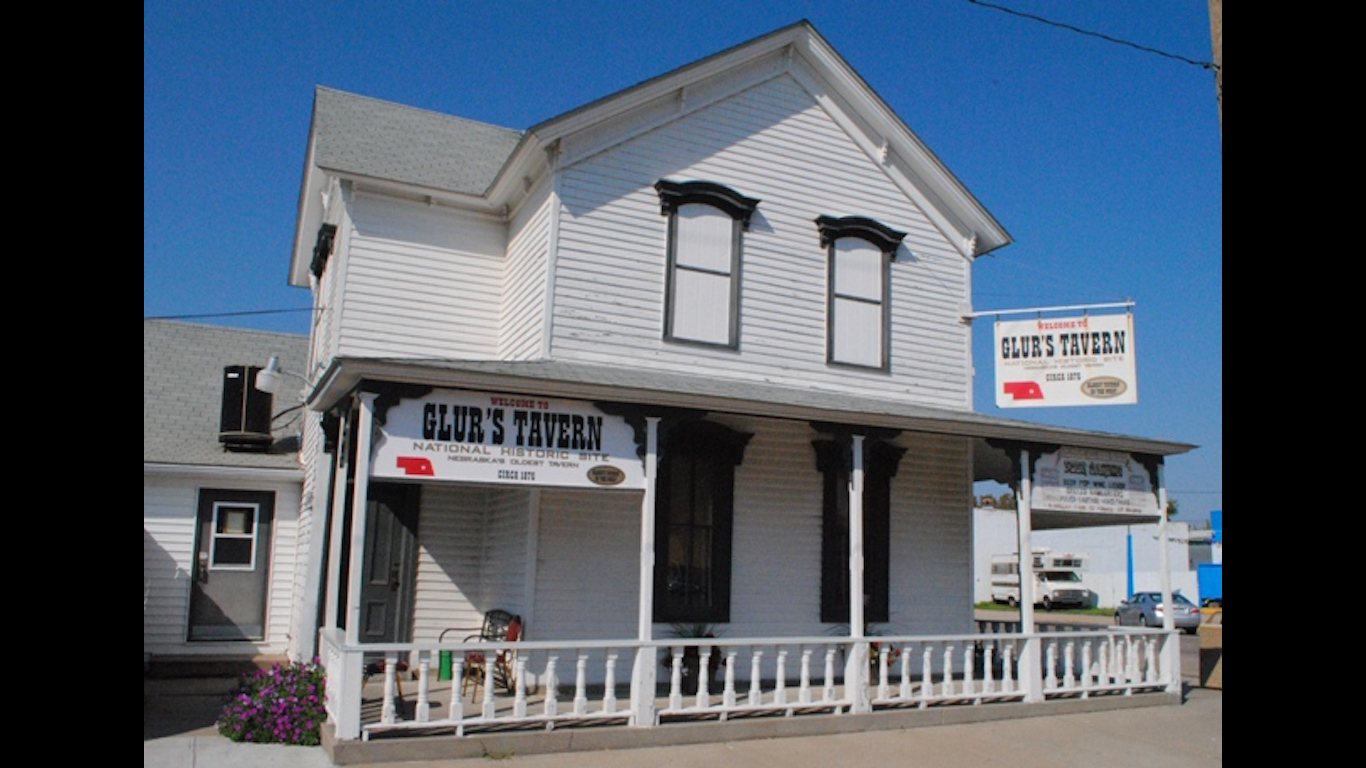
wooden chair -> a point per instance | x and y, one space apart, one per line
499 626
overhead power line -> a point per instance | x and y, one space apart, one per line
1078 30
226 313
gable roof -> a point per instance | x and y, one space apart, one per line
427 152
182 390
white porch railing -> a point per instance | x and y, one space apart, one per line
560 683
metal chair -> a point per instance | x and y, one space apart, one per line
499 626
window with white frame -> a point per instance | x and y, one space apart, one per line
706 222
233 536
860 251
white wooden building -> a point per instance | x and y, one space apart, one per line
694 352
222 538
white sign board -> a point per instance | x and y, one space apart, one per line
506 439
1085 360
1093 481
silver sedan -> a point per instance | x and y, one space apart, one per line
1145 609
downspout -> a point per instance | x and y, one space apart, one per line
643 675
359 496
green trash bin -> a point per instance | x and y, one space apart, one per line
443 670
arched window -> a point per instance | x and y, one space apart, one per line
857 306
703 293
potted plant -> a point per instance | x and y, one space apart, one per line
692 657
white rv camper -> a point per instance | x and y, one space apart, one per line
1057 580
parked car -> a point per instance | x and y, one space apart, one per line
1145 609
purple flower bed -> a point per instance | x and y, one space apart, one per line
280 705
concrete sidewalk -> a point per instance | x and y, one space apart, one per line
178 732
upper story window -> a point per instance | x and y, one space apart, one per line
859 292
706 220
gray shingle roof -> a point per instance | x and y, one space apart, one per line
182 389
380 139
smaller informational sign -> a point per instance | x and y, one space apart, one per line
475 437
1085 360
1092 481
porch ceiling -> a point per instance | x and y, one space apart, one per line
586 381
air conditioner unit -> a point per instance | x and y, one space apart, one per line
245 424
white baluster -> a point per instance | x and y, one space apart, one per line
1068 673
703 676
780 681
676 680
947 686
756 693
828 692
905 673
423 710
519 684
988 674
552 701
883 654
1050 679
1007 661
969 670
581 683
804 691
927 675
1152 675
389 712
609 692
728 691
1085 668
457 706
490 710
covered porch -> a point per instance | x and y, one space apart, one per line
833 672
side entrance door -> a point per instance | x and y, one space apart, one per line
231 565
390 563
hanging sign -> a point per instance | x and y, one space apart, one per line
1093 481
1086 360
506 439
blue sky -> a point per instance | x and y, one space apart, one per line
1103 161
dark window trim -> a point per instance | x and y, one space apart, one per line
725 448
672 195
885 239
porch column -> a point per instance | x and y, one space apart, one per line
1031 670
644 671
856 667
359 493
1171 649
335 520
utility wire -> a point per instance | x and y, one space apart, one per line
1070 28
228 314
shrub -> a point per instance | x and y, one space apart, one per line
280 705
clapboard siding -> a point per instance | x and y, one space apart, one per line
421 282
170 506
522 328
587 570
931 573
771 142
451 528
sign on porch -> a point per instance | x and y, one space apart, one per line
1086 480
1087 360
506 439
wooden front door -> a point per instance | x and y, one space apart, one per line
390 563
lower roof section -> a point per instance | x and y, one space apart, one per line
586 381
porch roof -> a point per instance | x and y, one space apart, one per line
589 381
